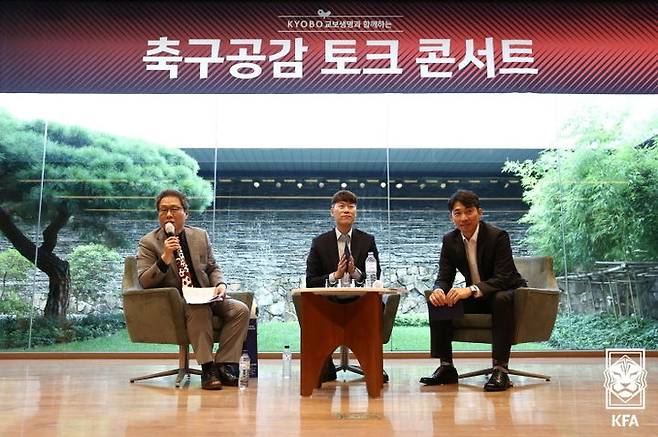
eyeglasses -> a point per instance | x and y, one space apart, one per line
343 205
174 210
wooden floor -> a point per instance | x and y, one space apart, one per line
94 397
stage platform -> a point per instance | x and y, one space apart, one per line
95 398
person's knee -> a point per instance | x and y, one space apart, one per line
241 310
441 324
196 312
503 300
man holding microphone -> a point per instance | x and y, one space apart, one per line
177 255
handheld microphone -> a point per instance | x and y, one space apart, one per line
170 230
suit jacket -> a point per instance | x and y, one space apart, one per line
494 260
151 247
323 257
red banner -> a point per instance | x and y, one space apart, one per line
298 47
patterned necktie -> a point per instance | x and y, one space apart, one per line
183 269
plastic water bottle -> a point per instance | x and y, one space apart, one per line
245 366
371 269
286 358
345 280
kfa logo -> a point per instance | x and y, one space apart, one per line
625 384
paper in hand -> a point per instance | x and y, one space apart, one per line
200 295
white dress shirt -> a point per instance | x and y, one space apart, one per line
471 247
341 251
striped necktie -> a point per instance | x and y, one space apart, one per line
346 251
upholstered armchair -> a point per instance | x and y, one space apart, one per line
156 315
535 311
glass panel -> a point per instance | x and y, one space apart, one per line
273 163
579 212
272 201
461 143
102 172
591 208
21 160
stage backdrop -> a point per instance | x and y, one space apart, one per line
332 47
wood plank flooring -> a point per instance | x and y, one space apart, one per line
95 398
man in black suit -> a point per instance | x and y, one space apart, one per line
338 256
328 263
483 255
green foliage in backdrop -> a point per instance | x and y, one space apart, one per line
14 273
596 199
14 332
601 331
88 176
91 267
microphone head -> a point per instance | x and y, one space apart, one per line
169 229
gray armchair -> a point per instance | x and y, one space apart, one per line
157 315
388 317
535 311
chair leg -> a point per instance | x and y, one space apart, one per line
182 370
510 371
156 375
183 363
345 362
356 369
529 375
344 358
477 373
179 378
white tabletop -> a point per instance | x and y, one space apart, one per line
348 291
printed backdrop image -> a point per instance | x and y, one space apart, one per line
263 194
262 110
342 47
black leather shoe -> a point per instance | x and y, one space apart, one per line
210 379
232 368
385 377
442 375
226 375
499 381
329 372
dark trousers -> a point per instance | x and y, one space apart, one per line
500 305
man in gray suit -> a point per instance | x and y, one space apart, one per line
184 256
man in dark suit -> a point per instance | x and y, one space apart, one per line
159 264
483 255
328 262
338 256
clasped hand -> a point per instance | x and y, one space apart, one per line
439 298
344 265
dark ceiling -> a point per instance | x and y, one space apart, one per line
357 162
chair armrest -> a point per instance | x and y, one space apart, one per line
535 311
155 315
388 318
246 297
